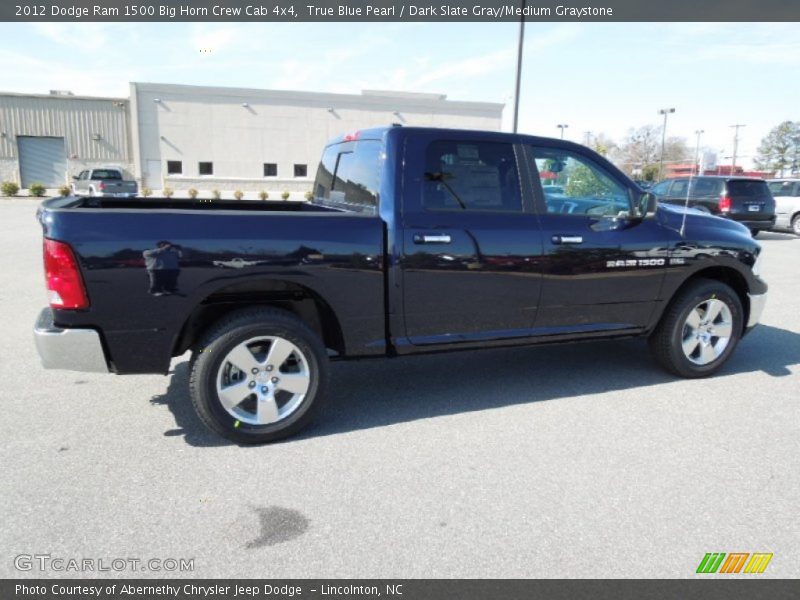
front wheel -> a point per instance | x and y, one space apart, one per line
796 224
700 329
258 376
754 232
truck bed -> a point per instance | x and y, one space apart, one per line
230 251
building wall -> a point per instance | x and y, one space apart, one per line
239 130
77 119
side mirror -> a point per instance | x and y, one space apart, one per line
75 177
648 203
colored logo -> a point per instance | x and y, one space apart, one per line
736 562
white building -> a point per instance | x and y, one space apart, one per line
206 137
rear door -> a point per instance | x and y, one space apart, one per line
471 243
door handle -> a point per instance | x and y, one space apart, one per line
567 239
439 238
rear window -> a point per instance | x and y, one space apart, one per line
348 176
106 174
747 189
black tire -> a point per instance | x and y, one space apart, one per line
796 224
232 331
755 232
667 339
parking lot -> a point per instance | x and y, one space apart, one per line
565 461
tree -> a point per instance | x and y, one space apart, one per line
780 148
639 148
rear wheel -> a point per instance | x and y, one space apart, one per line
796 224
259 376
699 330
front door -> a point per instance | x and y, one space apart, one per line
471 242
602 269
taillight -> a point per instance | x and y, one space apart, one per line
62 277
725 204
101 186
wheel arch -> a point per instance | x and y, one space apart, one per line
724 274
300 300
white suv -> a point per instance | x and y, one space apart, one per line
787 204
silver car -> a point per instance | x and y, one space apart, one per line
105 181
787 204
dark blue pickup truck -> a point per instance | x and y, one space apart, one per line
416 240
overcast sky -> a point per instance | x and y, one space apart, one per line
594 77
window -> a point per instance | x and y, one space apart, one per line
706 187
679 188
348 176
83 175
748 188
586 187
174 167
301 170
205 168
661 188
781 188
106 175
471 176
270 170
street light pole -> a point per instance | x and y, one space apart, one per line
562 127
519 64
665 112
736 128
699 132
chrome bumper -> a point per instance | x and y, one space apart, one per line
757 303
70 349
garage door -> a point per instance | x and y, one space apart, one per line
42 160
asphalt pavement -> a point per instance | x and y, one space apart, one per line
563 461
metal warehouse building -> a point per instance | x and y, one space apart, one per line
205 137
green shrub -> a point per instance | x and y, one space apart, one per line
167 192
193 193
263 195
65 190
9 188
285 195
216 194
238 194
37 189
308 195
146 192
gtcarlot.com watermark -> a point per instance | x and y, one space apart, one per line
49 563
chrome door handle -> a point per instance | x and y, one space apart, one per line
440 238
567 239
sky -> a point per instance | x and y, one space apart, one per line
599 77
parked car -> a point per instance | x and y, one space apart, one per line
423 240
787 204
107 182
746 200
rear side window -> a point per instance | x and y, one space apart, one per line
747 189
471 176
348 176
679 187
106 175
706 187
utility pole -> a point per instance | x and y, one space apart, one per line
562 127
519 65
588 137
698 132
665 112
736 128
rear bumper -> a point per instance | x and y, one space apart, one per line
760 225
757 303
69 349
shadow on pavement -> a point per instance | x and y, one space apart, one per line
376 392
